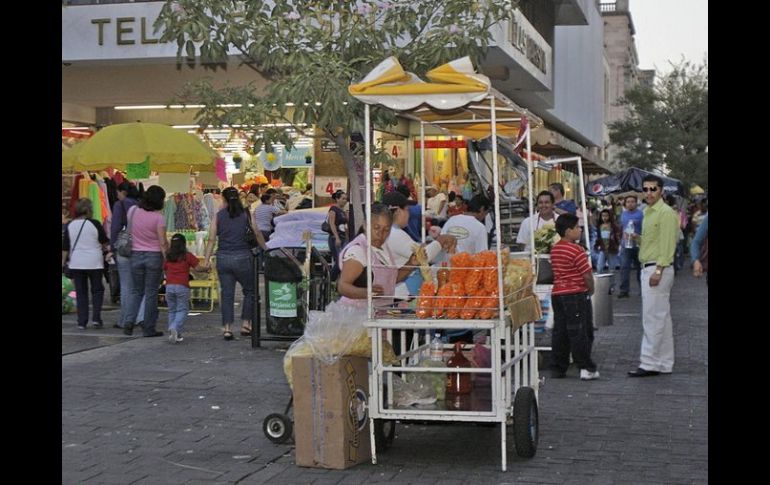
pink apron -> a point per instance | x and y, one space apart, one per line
383 276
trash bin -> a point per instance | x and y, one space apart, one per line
601 301
284 294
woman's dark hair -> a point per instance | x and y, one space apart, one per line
599 220
452 196
265 198
177 248
254 189
84 207
233 200
377 210
153 198
338 194
129 188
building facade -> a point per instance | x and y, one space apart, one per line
549 59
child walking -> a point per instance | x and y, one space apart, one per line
177 268
573 285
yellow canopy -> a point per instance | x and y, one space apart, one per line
458 100
169 149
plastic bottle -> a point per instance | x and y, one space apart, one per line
437 348
442 275
629 239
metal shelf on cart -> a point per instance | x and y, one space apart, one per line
406 323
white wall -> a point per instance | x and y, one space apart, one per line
579 78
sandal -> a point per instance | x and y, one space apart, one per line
228 335
245 332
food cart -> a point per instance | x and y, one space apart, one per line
460 102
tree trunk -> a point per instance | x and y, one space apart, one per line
356 189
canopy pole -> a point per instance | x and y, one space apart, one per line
586 229
368 213
496 202
422 180
532 200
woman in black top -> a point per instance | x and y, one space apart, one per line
338 221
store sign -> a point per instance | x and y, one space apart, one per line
118 31
326 186
298 157
441 144
283 299
395 148
526 39
328 145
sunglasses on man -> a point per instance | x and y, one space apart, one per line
649 189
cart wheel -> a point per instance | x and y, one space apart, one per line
384 432
277 427
525 422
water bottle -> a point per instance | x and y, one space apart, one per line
437 348
629 239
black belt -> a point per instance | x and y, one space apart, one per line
650 264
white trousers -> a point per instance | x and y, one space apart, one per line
657 352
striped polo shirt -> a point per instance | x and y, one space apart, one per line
569 263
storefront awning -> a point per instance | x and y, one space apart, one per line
458 100
553 144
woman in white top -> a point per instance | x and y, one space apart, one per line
86 243
401 246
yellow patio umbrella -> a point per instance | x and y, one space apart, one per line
168 149
697 190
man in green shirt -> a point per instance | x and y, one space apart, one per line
656 254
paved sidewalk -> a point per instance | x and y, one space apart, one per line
140 410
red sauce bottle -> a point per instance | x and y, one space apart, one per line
458 383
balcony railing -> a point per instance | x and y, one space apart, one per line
607 7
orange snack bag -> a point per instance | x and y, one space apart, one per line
458 271
444 293
472 305
455 303
489 307
490 270
425 305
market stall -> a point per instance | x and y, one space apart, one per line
499 311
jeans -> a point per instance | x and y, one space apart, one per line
679 255
81 279
146 274
335 252
573 331
126 284
629 257
178 299
232 268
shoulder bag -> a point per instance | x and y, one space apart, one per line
123 241
66 271
249 236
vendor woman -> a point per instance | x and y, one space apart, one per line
352 281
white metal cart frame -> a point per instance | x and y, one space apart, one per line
518 363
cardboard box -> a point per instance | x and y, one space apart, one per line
331 418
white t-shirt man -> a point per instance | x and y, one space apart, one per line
470 233
526 227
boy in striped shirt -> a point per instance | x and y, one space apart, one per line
573 285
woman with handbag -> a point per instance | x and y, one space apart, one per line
127 198
148 248
84 247
337 222
230 230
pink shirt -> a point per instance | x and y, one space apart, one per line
144 229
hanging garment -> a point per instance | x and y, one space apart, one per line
169 211
93 194
75 194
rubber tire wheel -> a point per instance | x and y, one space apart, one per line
277 427
384 432
525 422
